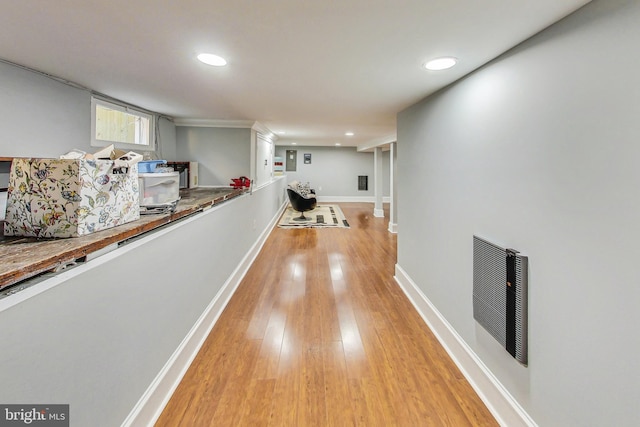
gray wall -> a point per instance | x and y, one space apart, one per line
222 153
334 171
41 117
539 151
167 140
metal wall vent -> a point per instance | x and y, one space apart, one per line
500 295
363 183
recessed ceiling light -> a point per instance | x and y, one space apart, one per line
338 144
349 134
210 59
294 143
441 63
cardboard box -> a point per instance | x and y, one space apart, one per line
70 197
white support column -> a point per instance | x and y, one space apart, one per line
393 208
377 178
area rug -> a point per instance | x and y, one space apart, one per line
321 216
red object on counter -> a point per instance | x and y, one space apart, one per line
239 183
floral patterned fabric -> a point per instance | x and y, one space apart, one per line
69 198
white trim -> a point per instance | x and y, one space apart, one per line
150 406
265 132
266 184
348 199
378 213
498 400
393 227
245 124
234 124
383 142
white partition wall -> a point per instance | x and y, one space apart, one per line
112 336
263 160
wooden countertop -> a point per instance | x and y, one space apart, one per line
25 257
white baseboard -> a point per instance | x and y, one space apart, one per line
348 199
393 227
378 213
498 400
152 403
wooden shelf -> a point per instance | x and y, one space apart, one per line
25 257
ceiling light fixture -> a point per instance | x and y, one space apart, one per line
210 59
338 144
443 63
294 143
349 134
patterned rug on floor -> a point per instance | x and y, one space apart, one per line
321 216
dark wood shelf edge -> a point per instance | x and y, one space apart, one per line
80 247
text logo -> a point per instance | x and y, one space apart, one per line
34 415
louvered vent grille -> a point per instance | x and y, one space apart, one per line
499 305
521 308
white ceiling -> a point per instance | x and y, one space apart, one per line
315 69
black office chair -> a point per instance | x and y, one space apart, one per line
301 204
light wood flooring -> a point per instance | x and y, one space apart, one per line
319 334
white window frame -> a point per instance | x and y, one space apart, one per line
147 142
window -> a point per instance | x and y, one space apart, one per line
124 127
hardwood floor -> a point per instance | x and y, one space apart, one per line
319 334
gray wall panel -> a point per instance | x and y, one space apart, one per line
538 151
336 170
222 153
42 117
